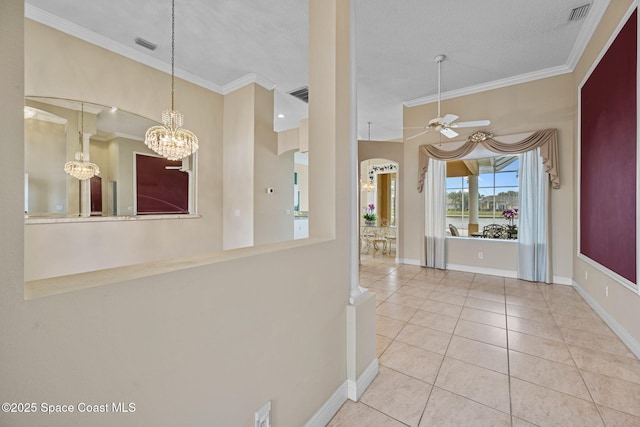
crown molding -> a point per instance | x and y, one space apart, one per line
245 80
598 8
55 22
496 84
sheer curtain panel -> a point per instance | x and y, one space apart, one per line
435 214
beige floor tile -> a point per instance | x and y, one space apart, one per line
478 353
382 343
572 309
485 317
422 284
557 376
595 326
545 407
413 361
613 418
381 296
486 305
454 288
448 409
517 422
607 344
523 301
421 293
434 321
396 311
447 297
479 384
388 327
397 395
406 300
531 327
624 368
426 338
384 286
538 315
358 414
541 347
444 308
480 332
486 295
614 393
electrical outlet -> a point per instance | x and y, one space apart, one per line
480 255
263 416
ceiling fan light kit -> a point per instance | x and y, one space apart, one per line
445 124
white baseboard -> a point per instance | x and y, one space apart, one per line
356 388
409 261
481 270
561 280
621 332
323 415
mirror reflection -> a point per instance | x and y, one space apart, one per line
132 179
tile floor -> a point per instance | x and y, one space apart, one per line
462 349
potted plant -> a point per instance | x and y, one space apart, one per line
369 215
511 215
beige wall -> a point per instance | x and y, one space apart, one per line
540 104
199 346
622 304
273 213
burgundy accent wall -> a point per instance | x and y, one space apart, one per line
160 190
608 157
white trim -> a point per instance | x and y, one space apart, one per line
621 332
496 84
409 261
245 80
596 12
356 388
323 415
606 271
481 270
562 280
68 27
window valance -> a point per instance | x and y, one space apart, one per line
546 139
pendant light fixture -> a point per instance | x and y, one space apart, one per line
369 186
79 168
170 140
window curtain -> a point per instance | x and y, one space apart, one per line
435 214
534 254
546 140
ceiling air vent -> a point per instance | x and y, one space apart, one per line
302 94
579 12
145 43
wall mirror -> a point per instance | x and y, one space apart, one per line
133 180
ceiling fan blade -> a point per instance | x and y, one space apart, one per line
449 133
416 127
417 135
446 120
474 124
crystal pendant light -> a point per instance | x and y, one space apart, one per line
79 168
170 140
369 186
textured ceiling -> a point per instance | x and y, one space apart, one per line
487 42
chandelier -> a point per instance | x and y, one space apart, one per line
81 168
369 186
170 140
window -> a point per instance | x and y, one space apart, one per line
496 181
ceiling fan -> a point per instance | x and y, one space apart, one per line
445 124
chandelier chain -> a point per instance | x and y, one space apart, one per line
173 48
